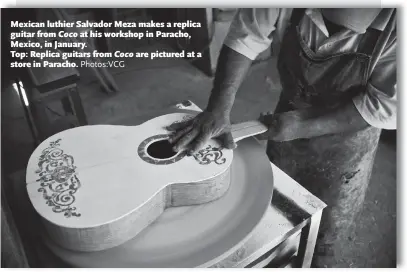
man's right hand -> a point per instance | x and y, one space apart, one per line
192 135
214 122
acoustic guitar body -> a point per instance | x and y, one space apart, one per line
98 186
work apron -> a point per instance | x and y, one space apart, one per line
337 167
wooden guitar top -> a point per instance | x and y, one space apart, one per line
99 186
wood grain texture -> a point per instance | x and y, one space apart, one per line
96 187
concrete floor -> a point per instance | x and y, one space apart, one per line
148 86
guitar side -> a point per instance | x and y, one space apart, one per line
129 226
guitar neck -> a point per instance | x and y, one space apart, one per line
247 129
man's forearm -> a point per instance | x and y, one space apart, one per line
314 122
231 70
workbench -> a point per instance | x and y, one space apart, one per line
287 234
285 237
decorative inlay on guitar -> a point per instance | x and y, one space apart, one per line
210 154
99 186
58 179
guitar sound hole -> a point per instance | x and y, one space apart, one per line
161 150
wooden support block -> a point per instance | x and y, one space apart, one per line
308 241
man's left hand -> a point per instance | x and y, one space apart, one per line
282 126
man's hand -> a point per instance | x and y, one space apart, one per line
312 122
192 135
214 121
282 126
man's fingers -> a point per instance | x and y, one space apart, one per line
227 140
179 133
180 125
199 142
186 140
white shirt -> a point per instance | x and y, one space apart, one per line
254 30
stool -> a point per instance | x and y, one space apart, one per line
56 84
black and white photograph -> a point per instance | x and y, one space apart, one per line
199 137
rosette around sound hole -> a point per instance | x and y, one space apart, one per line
158 150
